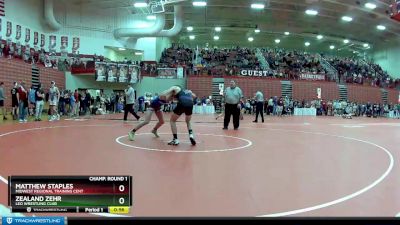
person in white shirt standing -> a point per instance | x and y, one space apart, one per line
259 106
130 101
233 95
54 97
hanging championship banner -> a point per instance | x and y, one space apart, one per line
27 35
9 29
18 34
75 44
122 73
42 40
133 75
112 72
319 93
100 68
221 88
35 38
64 41
53 42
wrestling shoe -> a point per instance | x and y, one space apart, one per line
174 142
155 133
192 140
131 135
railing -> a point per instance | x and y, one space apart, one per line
371 68
263 62
332 71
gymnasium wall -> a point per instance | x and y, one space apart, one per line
251 86
364 94
308 90
147 84
114 55
387 56
200 85
16 70
302 90
393 96
94 26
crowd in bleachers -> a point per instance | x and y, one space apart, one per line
358 71
217 61
212 61
35 55
282 64
292 63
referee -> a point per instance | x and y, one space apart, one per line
233 95
259 106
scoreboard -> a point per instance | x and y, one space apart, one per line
70 194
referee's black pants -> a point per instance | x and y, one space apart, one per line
259 110
232 109
129 109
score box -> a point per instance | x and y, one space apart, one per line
69 191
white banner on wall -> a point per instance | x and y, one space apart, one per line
179 73
221 88
319 93
311 76
254 73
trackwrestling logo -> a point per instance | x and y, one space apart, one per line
34 220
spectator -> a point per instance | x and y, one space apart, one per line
2 98
39 102
32 100
259 97
22 97
14 100
54 98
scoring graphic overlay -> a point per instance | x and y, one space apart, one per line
70 194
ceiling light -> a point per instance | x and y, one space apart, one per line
307 44
257 30
151 17
346 41
277 41
347 18
216 38
257 6
311 12
218 29
370 5
332 47
365 45
250 39
140 4
121 49
287 33
199 3
192 37
138 53
189 28
319 37
381 27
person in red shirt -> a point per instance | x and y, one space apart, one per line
22 97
